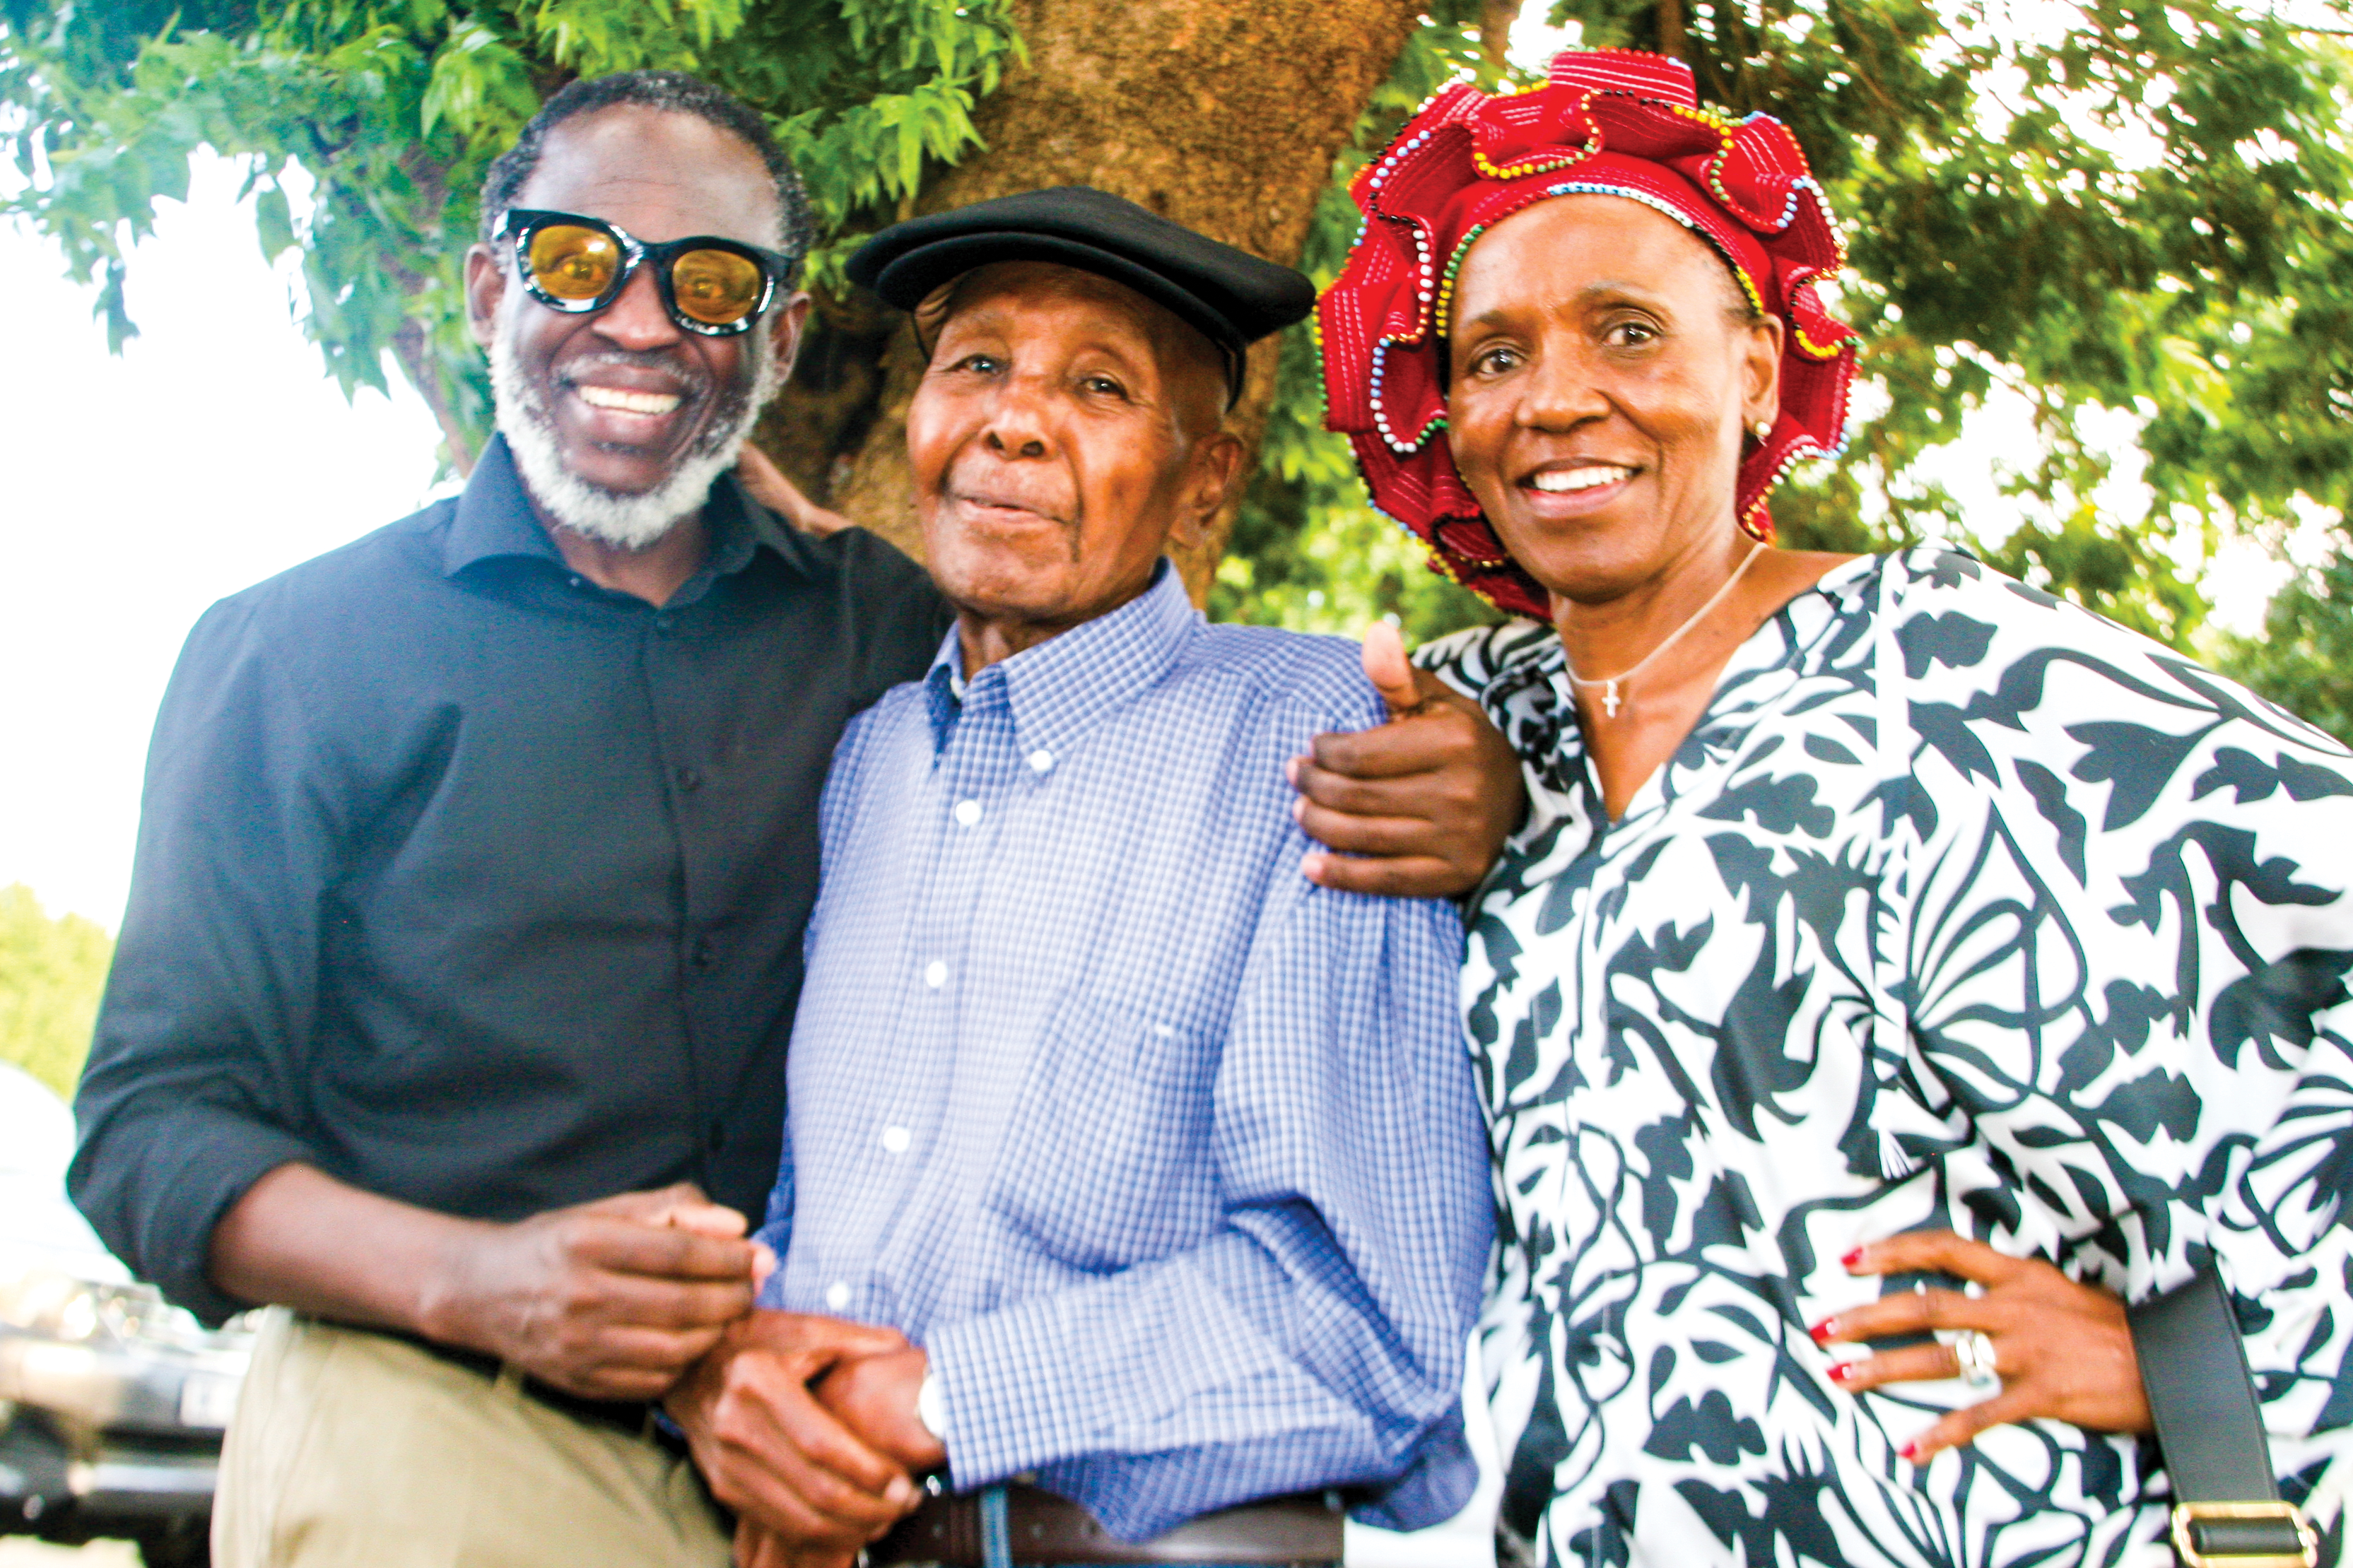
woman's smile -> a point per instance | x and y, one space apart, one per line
1572 487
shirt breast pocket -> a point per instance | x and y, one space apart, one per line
1106 1156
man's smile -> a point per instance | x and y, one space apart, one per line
621 404
622 400
1010 504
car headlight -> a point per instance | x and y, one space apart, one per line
97 1355
50 1303
58 1305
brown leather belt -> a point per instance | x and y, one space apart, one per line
1047 1531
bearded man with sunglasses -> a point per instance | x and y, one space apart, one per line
449 1011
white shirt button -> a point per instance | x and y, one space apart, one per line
967 812
837 1295
896 1139
935 975
1041 762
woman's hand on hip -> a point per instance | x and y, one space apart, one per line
2062 1350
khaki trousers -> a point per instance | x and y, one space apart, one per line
352 1450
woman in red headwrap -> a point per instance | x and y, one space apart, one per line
1880 923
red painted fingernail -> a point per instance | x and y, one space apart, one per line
1821 1331
1909 1453
1853 1260
1842 1373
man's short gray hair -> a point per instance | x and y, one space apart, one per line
674 92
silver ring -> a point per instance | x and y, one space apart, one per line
1974 1352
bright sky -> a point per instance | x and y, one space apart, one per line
215 453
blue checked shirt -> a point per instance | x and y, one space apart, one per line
1169 1159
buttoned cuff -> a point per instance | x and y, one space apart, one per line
1118 1366
1008 1419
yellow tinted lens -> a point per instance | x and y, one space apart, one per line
572 262
717 288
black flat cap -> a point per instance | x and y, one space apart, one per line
1229 296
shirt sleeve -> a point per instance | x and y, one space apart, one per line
191 1093
2130 963
1316 1339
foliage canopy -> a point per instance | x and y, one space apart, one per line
51 971
2126 217
391 110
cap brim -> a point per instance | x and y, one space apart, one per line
908 280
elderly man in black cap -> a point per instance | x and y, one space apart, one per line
1164 1161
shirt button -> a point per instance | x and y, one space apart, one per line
662 623
1041 762
935 975
897 1139
689 780
837 1295
705 958
967 812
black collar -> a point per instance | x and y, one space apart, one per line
495 521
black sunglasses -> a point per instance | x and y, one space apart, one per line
715 286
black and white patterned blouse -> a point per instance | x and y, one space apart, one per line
2042 938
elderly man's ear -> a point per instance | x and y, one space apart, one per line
1215 469
791 315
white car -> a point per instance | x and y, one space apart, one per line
111 1400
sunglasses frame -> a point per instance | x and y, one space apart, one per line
518 224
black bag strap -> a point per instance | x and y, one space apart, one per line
2227 1506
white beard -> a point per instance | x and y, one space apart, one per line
624 520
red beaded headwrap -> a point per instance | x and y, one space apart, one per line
1612 123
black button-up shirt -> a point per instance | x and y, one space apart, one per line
474 884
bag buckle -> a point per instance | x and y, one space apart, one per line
2188 1516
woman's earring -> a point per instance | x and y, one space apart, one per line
1761 430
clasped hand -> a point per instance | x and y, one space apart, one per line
2063 1351
807 1427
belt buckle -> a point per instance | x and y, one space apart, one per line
2186 1514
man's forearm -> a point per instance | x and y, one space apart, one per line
611 1299
316 1244
301 1238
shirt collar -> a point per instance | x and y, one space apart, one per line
1059 689
494 519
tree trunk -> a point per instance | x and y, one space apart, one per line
1496 19
1224 115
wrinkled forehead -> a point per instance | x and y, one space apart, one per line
1001 290
659 174
1111 307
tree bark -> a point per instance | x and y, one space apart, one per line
1224 115
414 355
1496 19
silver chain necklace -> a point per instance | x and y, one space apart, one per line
1609 684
